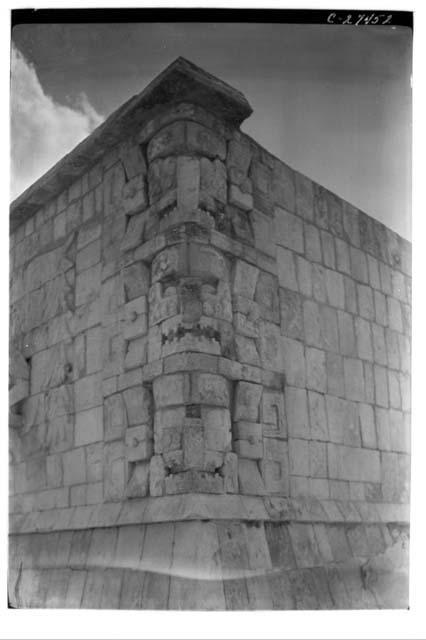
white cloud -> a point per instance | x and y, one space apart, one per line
42 131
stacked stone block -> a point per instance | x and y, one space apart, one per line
190 315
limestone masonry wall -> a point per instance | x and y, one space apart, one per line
192 316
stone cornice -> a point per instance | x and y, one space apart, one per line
181 81
188 507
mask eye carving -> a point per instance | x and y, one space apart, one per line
210 286
169 285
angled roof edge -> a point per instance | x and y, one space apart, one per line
181 81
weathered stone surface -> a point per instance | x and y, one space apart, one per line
260 176
135 231
294 362
135 280
245 279
270 347
49 367
240 199
241 226
248 440
138 405
132 158
297 412
318 459
188 183
379 345
74 466
351 303
366 302
380 306
312 323
246 317
343 423
192 316
350 463
239 155
171 390
60 434
204 558
289 230
115 476
87 285
328 250
370 392
247 401
275 467
320 207
304 196
343 261
246 350
135 198
335 289
211 389
399 434
318 418
312 243
304 276
94 350
59 402
291 313
138 443
354 379
87 392
359 265
89 256
89 426
334 372
212 182
157 558
194 481
381 386
286 269
363 339
329 328
266 296
205 141
94 458
138 484
273 415
217 428
304 545
161 178
316 378
230 472
283 186
249 478
319 288
157 475
169 141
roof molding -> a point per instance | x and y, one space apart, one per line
181 81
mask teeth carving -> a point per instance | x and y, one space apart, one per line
165 213
199 332
186 229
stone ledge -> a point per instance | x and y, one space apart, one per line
213 564
208 507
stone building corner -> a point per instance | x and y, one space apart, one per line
210 373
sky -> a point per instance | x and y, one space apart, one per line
333 102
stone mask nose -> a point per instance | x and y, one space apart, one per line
191 304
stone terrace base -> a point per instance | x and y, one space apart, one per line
302 555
